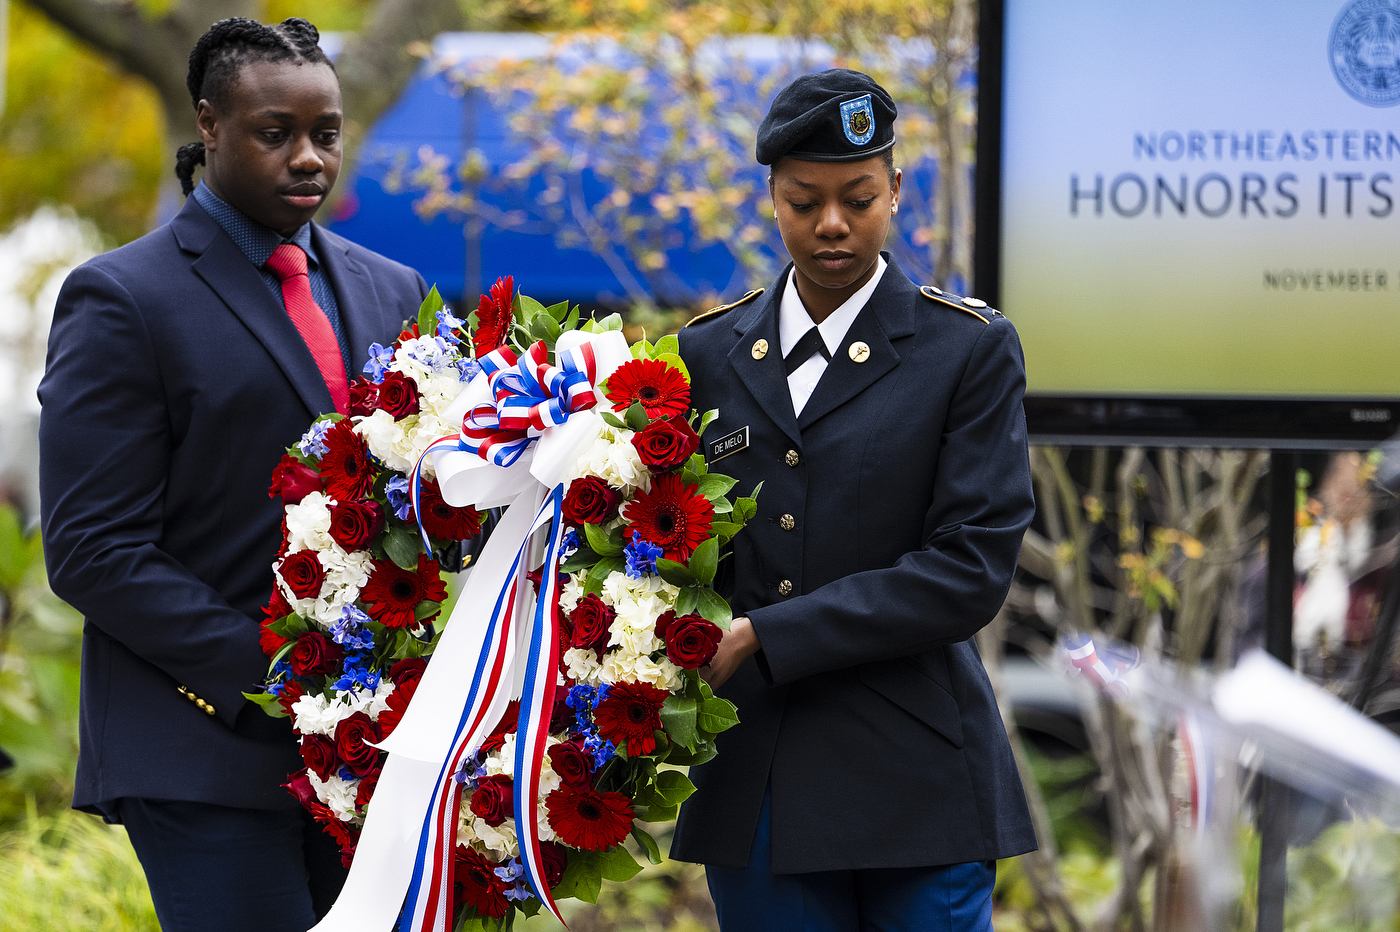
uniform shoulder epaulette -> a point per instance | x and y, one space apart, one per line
716 311
974 306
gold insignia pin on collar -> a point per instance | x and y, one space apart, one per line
859 352
760 349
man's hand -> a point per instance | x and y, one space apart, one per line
739 644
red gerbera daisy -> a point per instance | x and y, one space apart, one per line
393 593
346 467
587 819
442 520
477 883
661 388
673 515
493 317
631 714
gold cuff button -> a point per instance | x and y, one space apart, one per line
785 587
792 458
787 523
760 349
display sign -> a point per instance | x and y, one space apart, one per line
1199 202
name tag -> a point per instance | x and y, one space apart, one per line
729 443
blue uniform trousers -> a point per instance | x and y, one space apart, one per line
954 898
220 869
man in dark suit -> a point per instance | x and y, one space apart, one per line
870 784
180 367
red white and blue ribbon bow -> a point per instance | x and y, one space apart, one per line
525 425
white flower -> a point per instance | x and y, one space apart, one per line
613 459
499 841
337 794
571 592
315 715
388 439
346 574
582 664
309 523
369 702
623 666
502 760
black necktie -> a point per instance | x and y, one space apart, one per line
810 343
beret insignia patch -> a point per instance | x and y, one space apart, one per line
858 120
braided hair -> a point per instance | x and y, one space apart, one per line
220 52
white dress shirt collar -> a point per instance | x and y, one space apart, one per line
794 321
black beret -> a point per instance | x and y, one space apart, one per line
831 116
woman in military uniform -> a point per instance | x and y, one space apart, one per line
870 784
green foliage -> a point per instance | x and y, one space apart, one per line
70 871
40 644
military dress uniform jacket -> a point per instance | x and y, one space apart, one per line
888 527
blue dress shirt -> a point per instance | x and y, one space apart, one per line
257 243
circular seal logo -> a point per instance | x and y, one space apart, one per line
1365 51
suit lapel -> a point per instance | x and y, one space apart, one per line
355 294
886 318
225 268
765 378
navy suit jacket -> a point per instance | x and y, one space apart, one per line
907 484
175 380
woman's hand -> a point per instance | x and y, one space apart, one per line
739 643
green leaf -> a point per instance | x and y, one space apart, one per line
558 311
714 608
612 420
402 546
673 786
581 559
282 651
618 865
678 717
427 313
425 609
714 486
687 601
745 509
706 420
648 845
292 626
267 702
722 507
13 552
583 878
528 308
602 542
677 574
725 529
669 345
611 322
674 362
703 753
716 715
641 349
704 561
636 417
571 321
600 572
657 812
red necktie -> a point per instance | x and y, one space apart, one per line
288 262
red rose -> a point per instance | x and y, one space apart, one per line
398 394
319 753
350 737
299 785
303 573
691 641
666 444
310 654
406 673
364 398
590 500
291 692
366 788
663 623
354 524
571 763
493 801
555 859
591 620
293 480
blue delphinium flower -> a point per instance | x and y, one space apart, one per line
312 443
357 673
379 359
471 771
513 873
397 491
641 556
447 323
570 543
602 749
276 677
469 368
348 630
